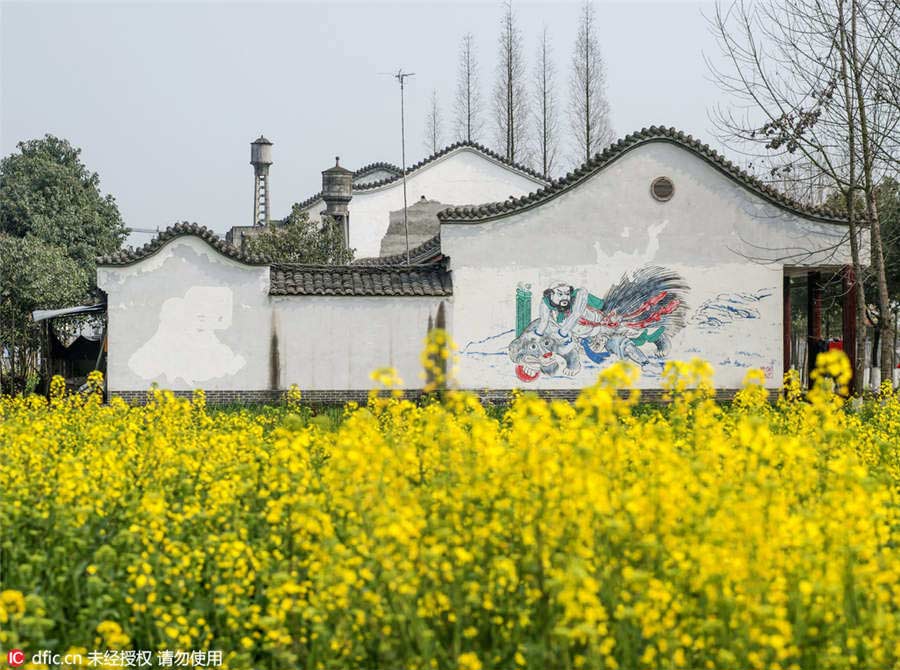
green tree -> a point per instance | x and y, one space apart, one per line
47 192
299 240
53 223
33 275
887 199
887 195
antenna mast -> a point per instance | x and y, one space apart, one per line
401 77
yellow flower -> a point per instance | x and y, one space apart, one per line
468 661
695 534
12 601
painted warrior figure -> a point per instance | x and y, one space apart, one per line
564 308
646 308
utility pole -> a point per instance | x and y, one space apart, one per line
401 77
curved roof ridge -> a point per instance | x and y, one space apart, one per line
377 165
465 144
428 251
311 200
488 211
450 148
180 229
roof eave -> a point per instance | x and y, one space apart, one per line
457 215
125 258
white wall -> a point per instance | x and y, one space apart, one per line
713 232
336 342
187 317
462 177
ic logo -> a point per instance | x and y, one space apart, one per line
15 657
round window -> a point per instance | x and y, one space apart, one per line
662 189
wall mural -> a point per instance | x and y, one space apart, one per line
728 308
635 321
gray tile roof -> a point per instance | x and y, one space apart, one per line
427 252
480 148
129 256
376 167
420 279
354 280
489 211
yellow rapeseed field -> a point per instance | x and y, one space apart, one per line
599 534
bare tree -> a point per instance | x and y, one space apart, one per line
805 74
588 106
880 23
467 107
433 127
545 113
510 102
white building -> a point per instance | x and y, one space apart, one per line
461 174
657 249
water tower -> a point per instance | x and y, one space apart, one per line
337 189
261 159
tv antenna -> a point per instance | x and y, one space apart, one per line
401 76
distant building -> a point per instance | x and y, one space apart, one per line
421 225
656 249
460 174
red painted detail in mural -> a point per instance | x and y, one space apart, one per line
525 376
614 321
647 305
606 322
657 315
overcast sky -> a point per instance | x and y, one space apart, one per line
164 98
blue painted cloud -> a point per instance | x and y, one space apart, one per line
727 308
495 345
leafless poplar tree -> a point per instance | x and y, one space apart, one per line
805 74
510 102
467 107
588 106
433 127
545 113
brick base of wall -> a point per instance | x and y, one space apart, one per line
339 397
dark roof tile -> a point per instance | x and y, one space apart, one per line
376 167
431 279
470 214
427 252
129 256
422 163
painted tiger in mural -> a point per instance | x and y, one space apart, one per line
647 308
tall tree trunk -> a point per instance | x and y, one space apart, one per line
877 246
849 192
